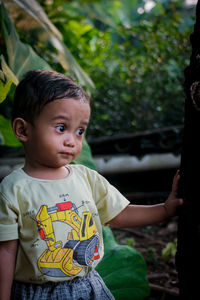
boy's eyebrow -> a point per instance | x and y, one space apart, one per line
60 117
63 117
85 123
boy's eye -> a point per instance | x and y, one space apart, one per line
60 128
80 131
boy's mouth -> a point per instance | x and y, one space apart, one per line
67 154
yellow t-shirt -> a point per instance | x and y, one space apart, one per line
58 222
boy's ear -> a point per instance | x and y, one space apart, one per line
20 128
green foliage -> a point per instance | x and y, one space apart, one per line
123 270
151 255
21 57
6 73
7 136
144 90
4 89
170 250
135 57
37 30
130 242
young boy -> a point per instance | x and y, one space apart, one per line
51 211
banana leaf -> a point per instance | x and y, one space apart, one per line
7 77
123 269
6 72
29 16
21 57
4 89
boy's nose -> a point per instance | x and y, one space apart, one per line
69 140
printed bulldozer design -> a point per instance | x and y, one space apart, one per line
80 250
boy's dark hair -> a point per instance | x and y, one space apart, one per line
37 88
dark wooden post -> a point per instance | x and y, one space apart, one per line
188 252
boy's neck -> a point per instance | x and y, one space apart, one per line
46 173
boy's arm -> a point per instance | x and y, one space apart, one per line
142 215
8 252
139 215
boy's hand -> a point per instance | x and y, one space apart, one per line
173 202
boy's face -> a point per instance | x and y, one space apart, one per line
56 137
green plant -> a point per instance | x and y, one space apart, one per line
170 250
6 79
151 255
130 242
135 59
123 270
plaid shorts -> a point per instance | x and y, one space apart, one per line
89 287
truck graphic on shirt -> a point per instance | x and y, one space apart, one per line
81 248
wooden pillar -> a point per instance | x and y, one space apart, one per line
188 252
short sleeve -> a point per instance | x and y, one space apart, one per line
109 201
8 220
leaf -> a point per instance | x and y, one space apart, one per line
7 137
32 16
7 71
170 249
96 11
4 89
85 157
21 57
36 23
123 270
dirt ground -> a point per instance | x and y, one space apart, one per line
150 242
